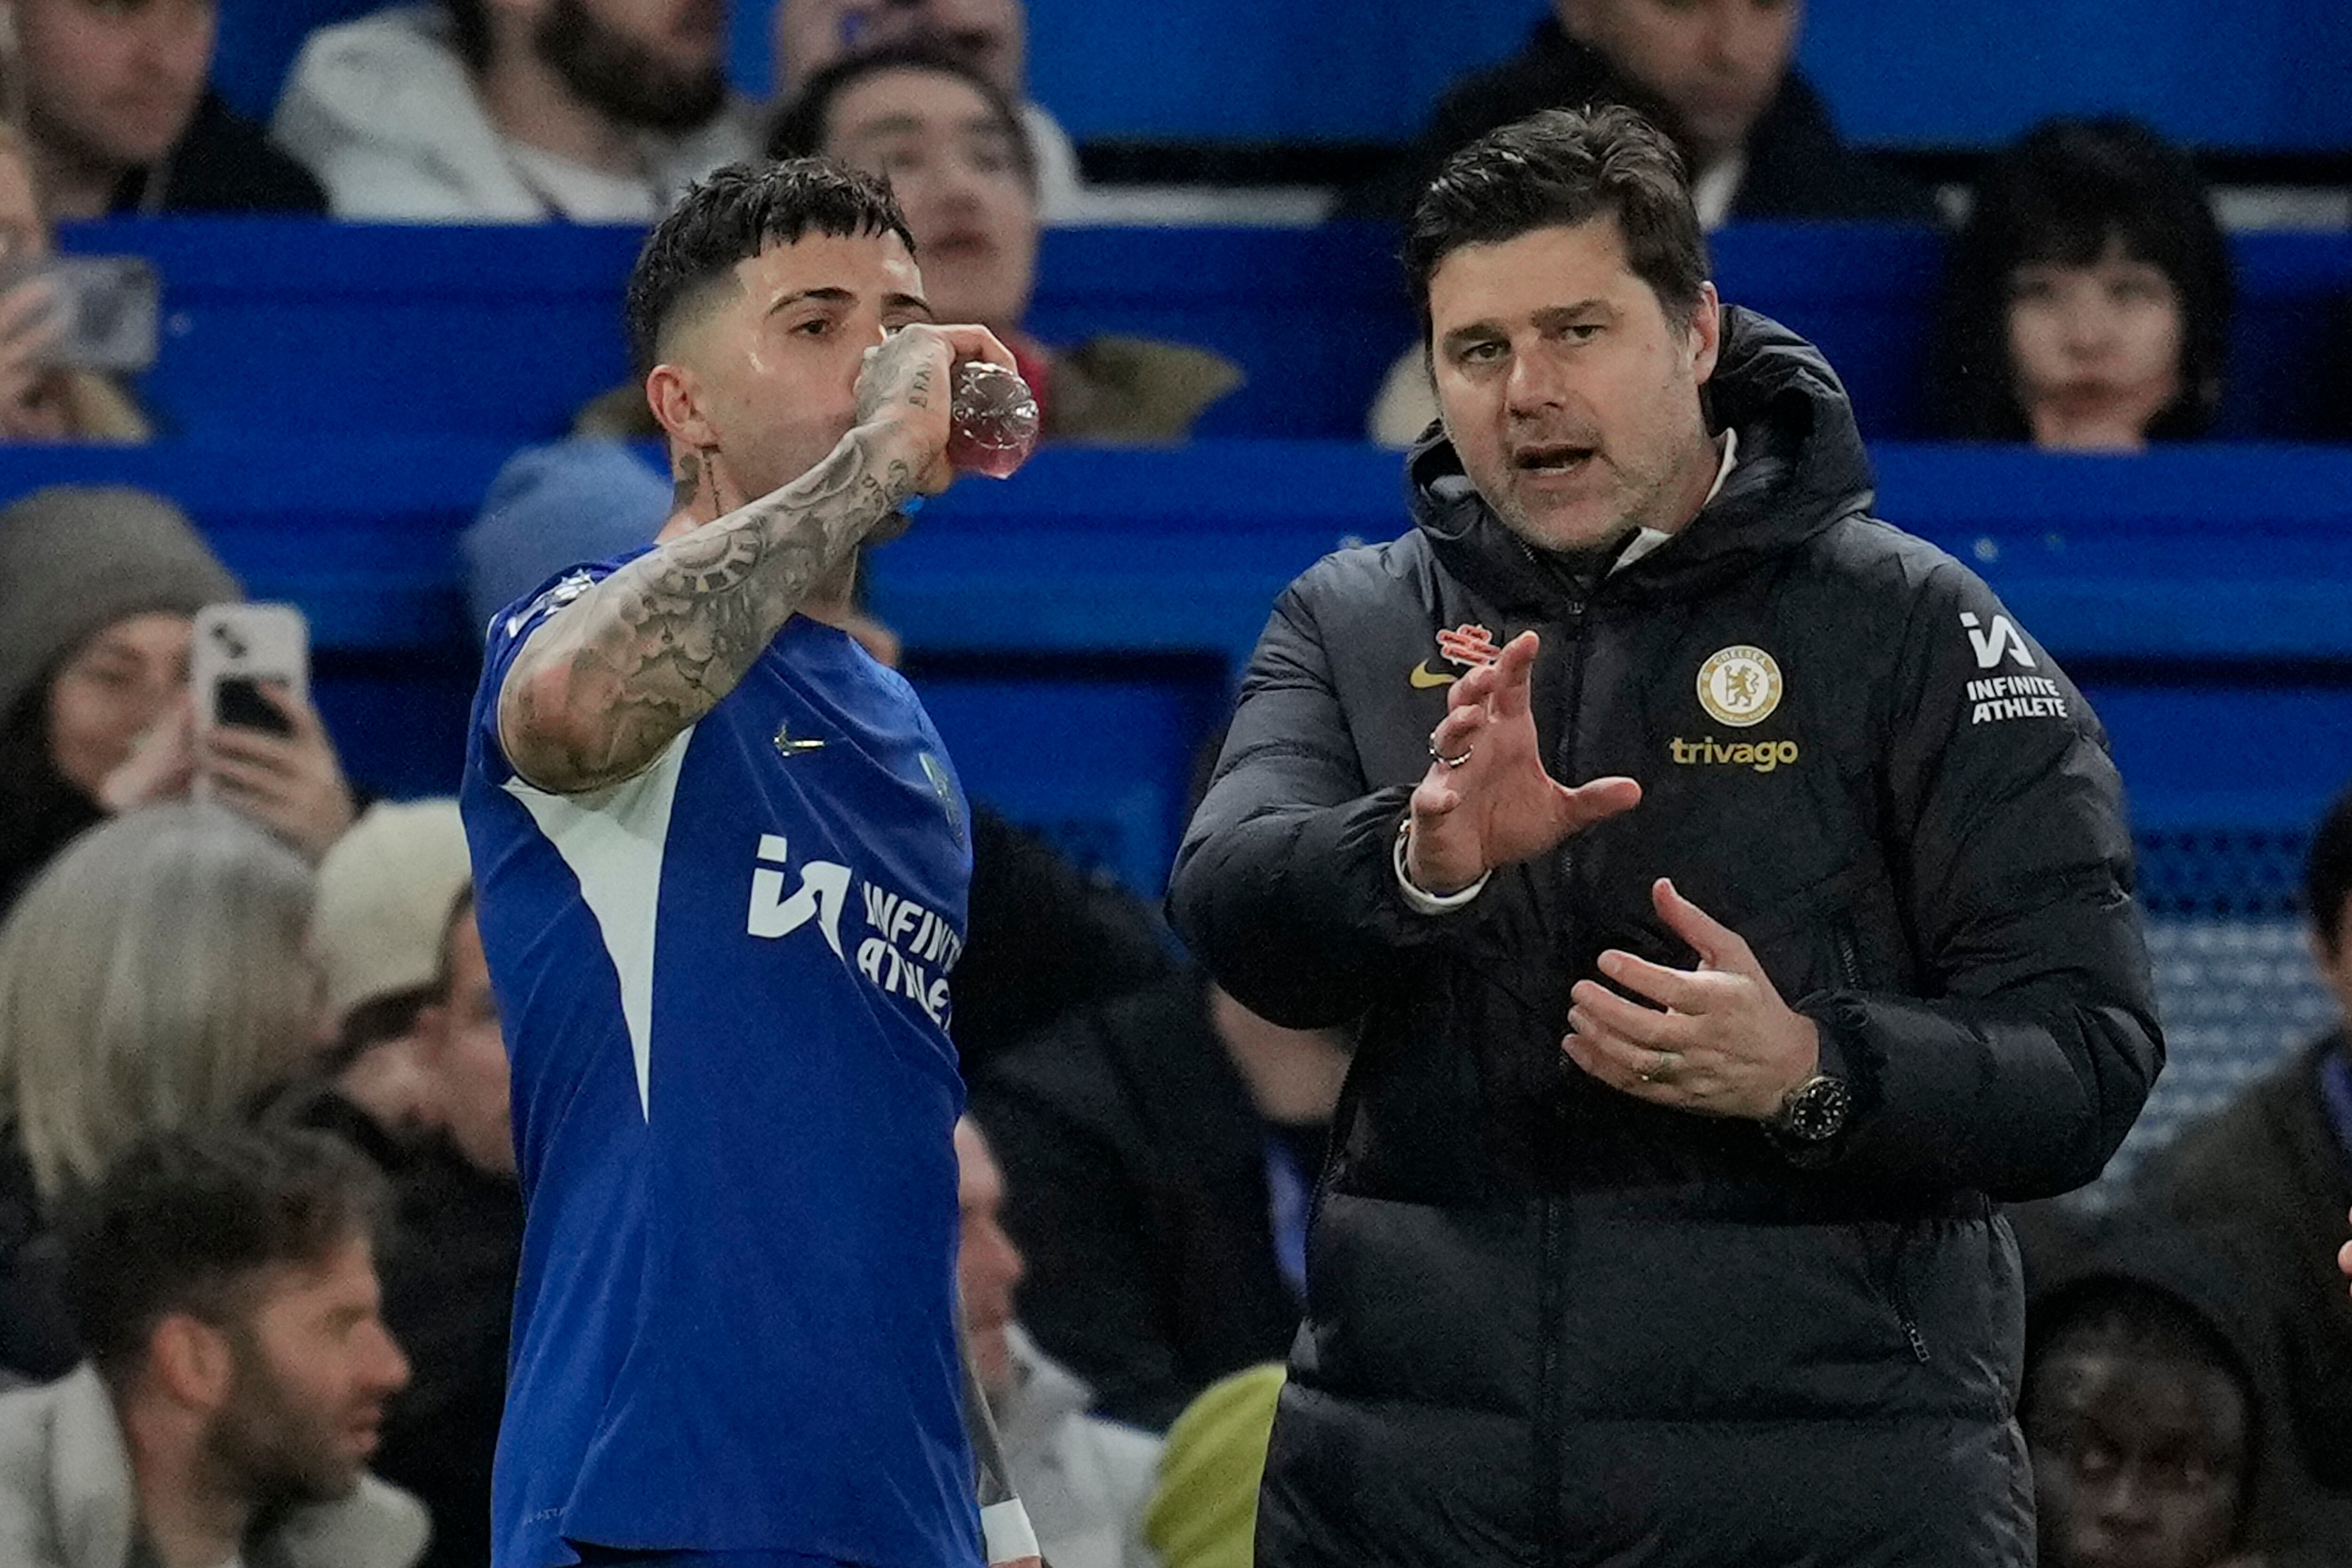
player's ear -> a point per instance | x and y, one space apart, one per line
675 394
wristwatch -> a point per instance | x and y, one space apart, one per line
1814 1111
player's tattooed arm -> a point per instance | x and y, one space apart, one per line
614 677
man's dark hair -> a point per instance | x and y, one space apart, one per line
183 1222
734 214
469 31
801 126
2065 194
1562 168
2328 874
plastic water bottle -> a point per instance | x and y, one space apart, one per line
994 420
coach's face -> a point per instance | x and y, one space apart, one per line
1568 390
760 379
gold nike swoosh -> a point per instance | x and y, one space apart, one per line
1422 677
788 745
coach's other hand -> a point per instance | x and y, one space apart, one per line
1720 1040
1487 800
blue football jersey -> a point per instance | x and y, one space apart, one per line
725 996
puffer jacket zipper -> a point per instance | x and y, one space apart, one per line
1551 1283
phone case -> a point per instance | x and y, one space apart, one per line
240 648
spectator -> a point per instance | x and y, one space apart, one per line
121 119
2141 1404
224 1286
952 146
386 893
98 588
989 36
2264 1182
1714 73
449 1277
1162 1148
1085 1481
2087 302
478 111
40 401
1717 74
152 978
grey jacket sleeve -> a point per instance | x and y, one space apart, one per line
1284 888
2034 1044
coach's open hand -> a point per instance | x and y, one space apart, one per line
1493 804
1726 1044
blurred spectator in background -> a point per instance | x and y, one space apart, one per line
98 588
450 1271
1204 1511
121 119
1716 74
224 1285
2265 1182
2087 302
153 977
387 891
1162 1151
989 35
2142 1404
1084 1482
39 399
951 145
515 110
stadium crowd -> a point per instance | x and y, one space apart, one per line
260 1220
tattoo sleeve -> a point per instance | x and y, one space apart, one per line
615 675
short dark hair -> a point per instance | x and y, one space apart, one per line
2063 194
469 31
735 213
183 1221
801 126
2328 874
1564 167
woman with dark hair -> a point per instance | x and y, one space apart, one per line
2088 303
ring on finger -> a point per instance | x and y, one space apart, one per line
1657 1071
1451 762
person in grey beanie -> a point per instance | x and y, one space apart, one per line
98 589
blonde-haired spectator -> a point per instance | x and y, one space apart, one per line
153 977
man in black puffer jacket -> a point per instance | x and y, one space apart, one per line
1718 1277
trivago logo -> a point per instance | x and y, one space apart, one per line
1708 752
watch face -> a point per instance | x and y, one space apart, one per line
1816 1111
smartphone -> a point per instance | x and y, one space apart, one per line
238 649
109 310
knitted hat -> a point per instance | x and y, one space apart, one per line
385 893
75 559
1203 1512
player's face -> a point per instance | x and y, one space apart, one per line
114 80
955 169
111 688
774 362
2138 1463
1718 63
1570 393
988 1265
2096 349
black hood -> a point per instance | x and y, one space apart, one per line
1800 468
2066 1263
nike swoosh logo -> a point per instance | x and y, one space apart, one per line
788 746
1422 677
